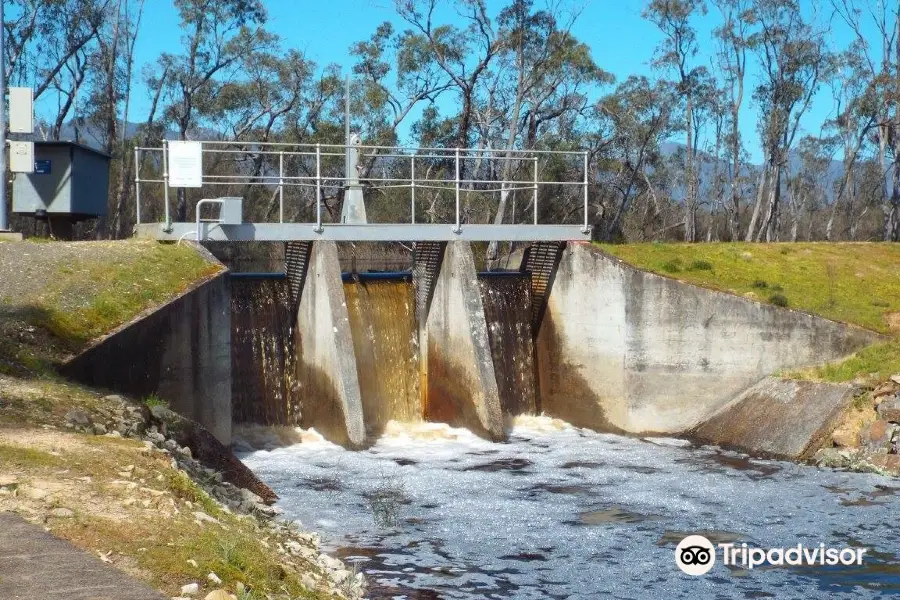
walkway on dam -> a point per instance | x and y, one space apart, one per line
34 565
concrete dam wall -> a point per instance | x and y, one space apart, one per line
623 349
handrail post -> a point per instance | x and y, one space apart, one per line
412 189
137 182
535 191
281 186
318 228
458 228
585 229
168 225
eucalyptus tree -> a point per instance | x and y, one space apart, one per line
731 61
677 53
792 60
217 35
879 66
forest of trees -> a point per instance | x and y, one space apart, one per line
668 159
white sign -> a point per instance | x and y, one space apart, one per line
21 157
21 110
185 164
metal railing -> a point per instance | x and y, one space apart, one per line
458 170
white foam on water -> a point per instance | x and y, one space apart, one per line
561 512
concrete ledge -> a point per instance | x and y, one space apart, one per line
9 236
461 384
328 384
779 417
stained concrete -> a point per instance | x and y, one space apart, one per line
779 417
34 565
181 351
620 349
327 383
508 312
461 387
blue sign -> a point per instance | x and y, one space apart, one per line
42 167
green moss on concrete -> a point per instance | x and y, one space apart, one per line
856 283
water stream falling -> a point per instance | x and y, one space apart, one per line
560 512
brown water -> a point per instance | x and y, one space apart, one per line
261 353
383 324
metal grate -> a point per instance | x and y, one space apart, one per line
541 260
296 263
427 259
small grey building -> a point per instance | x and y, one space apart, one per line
70 182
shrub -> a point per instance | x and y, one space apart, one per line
778 300
154 400
672 266
777 288
760 284
701 265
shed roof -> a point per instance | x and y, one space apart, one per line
69 143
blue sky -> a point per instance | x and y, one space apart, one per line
622 42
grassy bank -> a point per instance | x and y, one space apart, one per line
117 498
855 283
56 297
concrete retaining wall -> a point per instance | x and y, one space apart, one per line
327 382
181 352
461 386
622 349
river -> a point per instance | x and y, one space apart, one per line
560 512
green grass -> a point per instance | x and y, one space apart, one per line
25 457
872 364
92 298
856 283
154 400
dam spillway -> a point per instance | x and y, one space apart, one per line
575 334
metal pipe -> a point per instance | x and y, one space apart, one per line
281 187
318 228
585 229
535 191
458 228
412 188
168 225
137 183
201 203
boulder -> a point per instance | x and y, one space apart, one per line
78 417
876 436
889 409
843 438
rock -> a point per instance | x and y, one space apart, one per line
845 439
8 481
34 493
340 575
203 517
214 579
62 513
78 417
218 595
192 562
833 458
876 436
308 582
896 378
114 398
889 463
185 451
156 437
889 409
191 589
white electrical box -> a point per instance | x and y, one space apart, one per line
21 157
21 110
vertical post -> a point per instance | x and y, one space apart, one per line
535 190
586 181
412 189
4 222
281 186
165 147
458 228
318 188
137 182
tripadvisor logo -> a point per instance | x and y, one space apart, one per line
696 555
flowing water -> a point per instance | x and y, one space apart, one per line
559 512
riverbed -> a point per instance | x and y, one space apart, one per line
560 512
